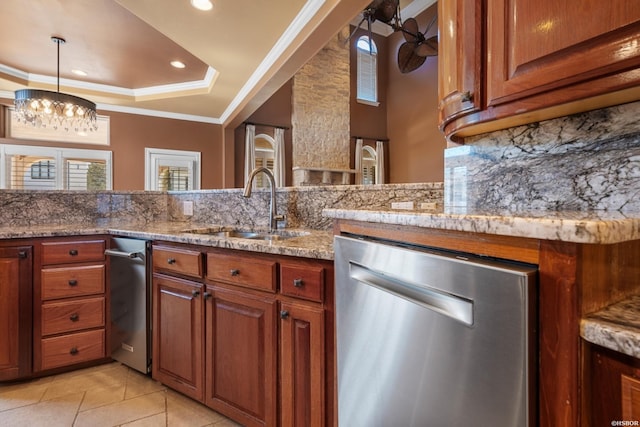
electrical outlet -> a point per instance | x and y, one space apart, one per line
187 208
402 205
428 206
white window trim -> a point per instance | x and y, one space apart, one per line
59 154
154 156
359 59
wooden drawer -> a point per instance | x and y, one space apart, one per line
177 260
302 282
73 348
67 282
243 271
75 251
68 316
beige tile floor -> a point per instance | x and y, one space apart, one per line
103 396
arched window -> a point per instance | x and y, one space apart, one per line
367 54
264 156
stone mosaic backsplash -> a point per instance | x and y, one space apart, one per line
587 161
302 206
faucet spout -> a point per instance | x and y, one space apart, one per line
273 215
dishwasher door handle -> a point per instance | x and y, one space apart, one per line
121 254
439 301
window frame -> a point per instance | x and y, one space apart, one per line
60 155
372 72
156 157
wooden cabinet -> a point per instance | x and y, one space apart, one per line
178 334
70 302
241 357
538 60
302 365
15 311
252 339
615 386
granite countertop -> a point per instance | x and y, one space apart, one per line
316 244
616 327
599 227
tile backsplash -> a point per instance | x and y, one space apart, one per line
587 161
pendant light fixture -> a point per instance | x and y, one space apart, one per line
43 108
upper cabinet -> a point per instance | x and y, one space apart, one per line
508 62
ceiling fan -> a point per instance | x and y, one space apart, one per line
416 48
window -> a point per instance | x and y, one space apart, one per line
264 156
171 170
27 167
369 161
367 54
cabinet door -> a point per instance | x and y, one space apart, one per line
241 356
178 335
302 365
543 45
15 311
459 61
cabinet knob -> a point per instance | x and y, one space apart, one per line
73 252
284 314
298 283
195 294
234 272
73 351
171 261
73 282
466 97
74 317
22 254
207 295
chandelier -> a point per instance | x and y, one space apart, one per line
43 108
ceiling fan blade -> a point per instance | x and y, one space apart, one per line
407 58
410 30
428 48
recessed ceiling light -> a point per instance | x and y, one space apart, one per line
202 4
177 64
79 73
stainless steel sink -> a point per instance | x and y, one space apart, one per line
233 233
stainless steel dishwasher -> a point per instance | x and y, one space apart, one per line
431 338
130 302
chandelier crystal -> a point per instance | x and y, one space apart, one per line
43 108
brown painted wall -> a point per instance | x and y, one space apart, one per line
131 133
416 145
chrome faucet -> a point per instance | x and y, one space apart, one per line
273 215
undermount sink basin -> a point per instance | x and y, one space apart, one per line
247 234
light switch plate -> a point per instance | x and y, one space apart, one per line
187 208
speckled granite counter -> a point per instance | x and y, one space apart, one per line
580 227
616 327
313 244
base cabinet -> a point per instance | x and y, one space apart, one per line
251 338
178 334
302 367
241 356
15 311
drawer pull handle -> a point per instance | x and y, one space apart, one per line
298 283
74 317
73 282
234 272
284 314
73 252
171 261
73 351
195 294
